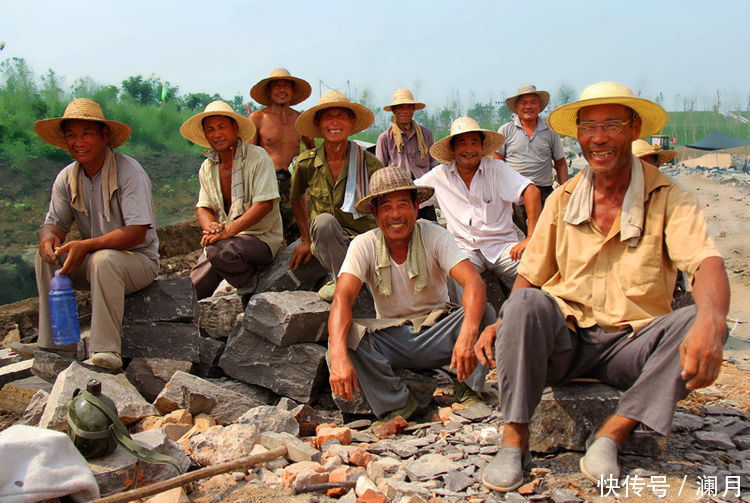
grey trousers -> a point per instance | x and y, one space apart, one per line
109 274
330 242
535 348
381 351
235 259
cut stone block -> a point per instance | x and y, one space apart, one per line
286 318
566 415
118 471
170 300
157 441
218 315
35 409
15 371
7 357
149 339
257 393
210 353
131 406
150 375
221 444
268 418
297 450
16 395
49 365
277 277
185 391
295 371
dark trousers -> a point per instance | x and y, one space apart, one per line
519 210
235 259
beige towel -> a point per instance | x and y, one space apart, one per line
109 184
421 145
581 204
416 262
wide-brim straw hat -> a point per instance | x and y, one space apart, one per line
50 130
301 92
442 150
391 179
527 89
363 117
642 148
653 117
192 129
403 97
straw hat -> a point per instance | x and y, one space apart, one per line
363 117
50 130
192 129
653 117
403 97
442 150
302 89
391 179
642 148
527 89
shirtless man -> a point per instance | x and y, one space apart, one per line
277 134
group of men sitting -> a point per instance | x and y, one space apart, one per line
592 277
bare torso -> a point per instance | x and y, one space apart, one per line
277 134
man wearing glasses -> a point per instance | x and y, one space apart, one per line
592 296
475 193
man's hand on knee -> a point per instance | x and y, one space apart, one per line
343 379
76 251
701 353
485 346
47 250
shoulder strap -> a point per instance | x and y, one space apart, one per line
122 435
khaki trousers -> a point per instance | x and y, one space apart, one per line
109 274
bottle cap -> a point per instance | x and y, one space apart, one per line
61 282
93 386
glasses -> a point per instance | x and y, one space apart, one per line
588 128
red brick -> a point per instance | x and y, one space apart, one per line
371 496
392 427
361 458
340 433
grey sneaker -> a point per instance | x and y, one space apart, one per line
505 472
600 462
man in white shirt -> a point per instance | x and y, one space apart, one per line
476 194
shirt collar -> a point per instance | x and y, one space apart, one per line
540 124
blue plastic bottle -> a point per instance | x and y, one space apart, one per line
63 310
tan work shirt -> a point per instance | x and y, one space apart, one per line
598 280
326 196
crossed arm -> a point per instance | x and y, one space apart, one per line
214 231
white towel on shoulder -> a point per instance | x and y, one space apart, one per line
581 204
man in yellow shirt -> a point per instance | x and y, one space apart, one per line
592 296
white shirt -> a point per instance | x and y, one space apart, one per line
480 217
442 255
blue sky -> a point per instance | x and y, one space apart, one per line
440 49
